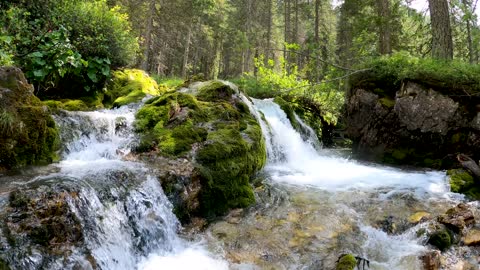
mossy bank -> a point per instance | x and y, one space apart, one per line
404 110
28 134
210 126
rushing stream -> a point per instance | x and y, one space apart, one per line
313 206
317 205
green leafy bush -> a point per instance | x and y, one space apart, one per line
66 48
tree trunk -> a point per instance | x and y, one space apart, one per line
384 35
269 31
287 29
187 50
148 37
317 22
442 43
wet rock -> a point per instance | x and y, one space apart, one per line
457 218
431 260
463 182
441 239
214 131
472 237
346 262
418 217
411 124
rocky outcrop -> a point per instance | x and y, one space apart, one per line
412 125
209 132
27 131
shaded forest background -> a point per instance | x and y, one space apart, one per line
305 46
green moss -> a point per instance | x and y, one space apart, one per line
387 102
229 142
82 104
132 97
33 138
462 182
215 91
459 138
454 78
75 105
399 154
128 86
289 111
346 262
441 239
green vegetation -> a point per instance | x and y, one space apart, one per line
128 86
346 262
28 134
66 48
455 78
441 239
462 182
228 141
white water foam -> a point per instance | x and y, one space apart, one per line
94 145
304 165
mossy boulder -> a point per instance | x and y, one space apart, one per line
441 239
28 134
128 86
213 129
463 182
346 262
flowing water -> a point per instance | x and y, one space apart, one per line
126 220
313 206
316 205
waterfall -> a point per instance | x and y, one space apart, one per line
298 161
301 162
125 219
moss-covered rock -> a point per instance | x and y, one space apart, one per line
128 86
28 134
215 129
346 262
463 182
87 103
441 239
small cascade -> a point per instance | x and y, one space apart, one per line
351 198
116 209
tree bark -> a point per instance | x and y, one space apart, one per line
187 50
269 31
148 37
384 35
442 43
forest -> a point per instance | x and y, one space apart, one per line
239 134
311 45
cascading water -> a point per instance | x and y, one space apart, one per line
331 206
125 220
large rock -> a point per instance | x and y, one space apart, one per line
458 218
27 131
415 125
208 130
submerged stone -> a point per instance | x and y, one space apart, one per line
472 238
346 262
441 239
